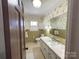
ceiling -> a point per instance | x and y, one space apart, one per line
47 7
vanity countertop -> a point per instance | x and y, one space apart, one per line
56 47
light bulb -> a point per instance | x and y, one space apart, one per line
37 3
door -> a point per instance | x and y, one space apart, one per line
14 33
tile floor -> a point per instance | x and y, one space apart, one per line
34 51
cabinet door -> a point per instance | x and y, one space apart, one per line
58 57
52 55
46 53
44 49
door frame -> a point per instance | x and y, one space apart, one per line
6 29
19 19
71 49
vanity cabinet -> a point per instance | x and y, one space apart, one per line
47 52
52 55
44 49
58 57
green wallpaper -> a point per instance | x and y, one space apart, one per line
61 36
62 33
32 35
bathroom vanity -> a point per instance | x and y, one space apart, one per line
52 49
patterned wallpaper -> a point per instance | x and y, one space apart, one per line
28 20
58 18
62 8
59 22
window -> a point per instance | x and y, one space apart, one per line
34 23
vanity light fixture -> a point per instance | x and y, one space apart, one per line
48 28
37 3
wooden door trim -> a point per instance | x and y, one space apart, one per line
6 29
70 26
23 25
19 31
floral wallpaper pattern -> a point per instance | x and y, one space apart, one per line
58 19
59 22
